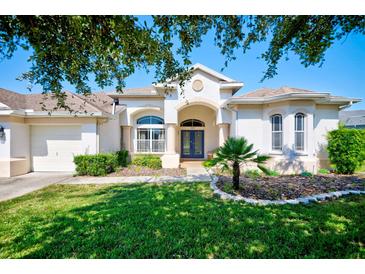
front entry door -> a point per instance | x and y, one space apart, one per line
192 144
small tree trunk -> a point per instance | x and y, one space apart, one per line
236 175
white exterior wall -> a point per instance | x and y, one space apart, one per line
325 119
20 142
250 125
254 123
109 135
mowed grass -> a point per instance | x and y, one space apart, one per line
174 221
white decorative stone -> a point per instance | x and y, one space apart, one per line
304 200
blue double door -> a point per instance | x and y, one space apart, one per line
192 144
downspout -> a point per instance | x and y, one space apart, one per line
113 109
235 121
97 136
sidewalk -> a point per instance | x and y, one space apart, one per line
136 179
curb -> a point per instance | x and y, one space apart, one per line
302 200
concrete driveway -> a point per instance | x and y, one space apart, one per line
20 185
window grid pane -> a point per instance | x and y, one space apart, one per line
150 140
150 120
299 131
277 134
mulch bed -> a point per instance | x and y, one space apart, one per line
290 186
145 171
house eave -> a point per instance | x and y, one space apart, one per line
58 114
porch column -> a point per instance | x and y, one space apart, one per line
170 159
223 133
127 138
171 139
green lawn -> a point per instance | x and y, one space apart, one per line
174 221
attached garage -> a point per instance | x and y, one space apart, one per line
53 147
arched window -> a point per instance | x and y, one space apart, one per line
150 120
299 131
192 123
277 132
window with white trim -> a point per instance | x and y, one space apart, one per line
277 132
150 134
299 131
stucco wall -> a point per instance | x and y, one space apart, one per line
250 125
20 142
325 119
109 135
254 123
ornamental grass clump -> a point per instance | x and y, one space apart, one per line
234 153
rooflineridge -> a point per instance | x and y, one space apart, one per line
266 95
97 105
157 90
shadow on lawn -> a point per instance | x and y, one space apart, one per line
185 221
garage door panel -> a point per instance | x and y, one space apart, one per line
53 147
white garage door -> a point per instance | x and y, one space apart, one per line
53 147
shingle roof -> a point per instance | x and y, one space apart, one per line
268 92
352 117
96 102
12 99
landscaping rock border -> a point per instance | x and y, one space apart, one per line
302 200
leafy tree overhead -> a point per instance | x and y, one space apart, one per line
234 153
71 48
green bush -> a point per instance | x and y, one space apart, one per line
323 171
150 161
272 172
346 149
252 173
306 174
123 157
96 165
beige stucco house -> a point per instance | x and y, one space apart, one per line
288 124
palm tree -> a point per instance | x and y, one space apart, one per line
234 153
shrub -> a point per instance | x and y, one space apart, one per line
122 157
233 153
252 173
96 165
272 172
150 161
306 174
346 148
323 171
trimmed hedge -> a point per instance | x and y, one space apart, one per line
346 148
96 165
148 160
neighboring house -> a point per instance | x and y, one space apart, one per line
353 118
288 124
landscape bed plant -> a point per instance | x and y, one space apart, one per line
287 187
147 160
100 164
176 220
346 149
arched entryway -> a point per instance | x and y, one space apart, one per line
198 132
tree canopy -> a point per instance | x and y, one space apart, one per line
71 48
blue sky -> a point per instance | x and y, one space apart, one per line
343 72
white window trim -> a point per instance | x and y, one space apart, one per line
305 130
276 151
150 127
